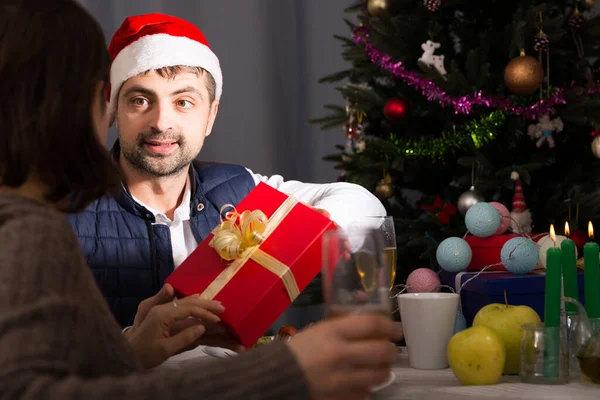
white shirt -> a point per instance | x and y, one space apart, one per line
183 241
345 203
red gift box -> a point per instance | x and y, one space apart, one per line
260 283
486 251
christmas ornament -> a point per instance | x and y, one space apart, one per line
545 243
468 199
354 138
384 189
431 60
461 322
588 3
504 217
523 74
432 5
423 280
374 6
454 254
519 255
360 145
482 220
596 147
542 131
541 41
395 109
464 104
580 238
442 211
520 216
576 20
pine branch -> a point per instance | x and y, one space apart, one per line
336 76
359 5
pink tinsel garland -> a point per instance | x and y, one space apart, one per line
462 104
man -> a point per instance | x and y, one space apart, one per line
166 84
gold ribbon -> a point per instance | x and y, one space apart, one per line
238 238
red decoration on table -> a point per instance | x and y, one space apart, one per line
395 109
254 292
486 251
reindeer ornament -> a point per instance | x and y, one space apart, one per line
429 59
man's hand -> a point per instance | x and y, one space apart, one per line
323 212
346 357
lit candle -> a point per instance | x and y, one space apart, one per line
569 268
591 275
553 274
552 308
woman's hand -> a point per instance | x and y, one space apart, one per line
164 326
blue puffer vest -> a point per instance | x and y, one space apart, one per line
129 257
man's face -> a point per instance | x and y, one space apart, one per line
162 122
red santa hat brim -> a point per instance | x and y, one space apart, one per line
158 50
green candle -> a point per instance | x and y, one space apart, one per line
552 301
591 275
552 309
569 269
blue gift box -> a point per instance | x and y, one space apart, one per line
489 287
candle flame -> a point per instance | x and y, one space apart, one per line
567 230
552 233
590 230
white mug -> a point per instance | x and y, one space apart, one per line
428 321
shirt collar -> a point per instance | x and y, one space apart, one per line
182 212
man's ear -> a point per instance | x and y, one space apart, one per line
212 115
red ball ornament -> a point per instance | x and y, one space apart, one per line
580 238
396 109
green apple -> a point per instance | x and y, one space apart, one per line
476 356
506 321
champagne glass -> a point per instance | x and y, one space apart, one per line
356 277
386 226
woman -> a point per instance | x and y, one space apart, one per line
58 339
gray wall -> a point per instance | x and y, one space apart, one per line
272 53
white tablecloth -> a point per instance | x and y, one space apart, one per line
441 384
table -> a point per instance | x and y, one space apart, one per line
433 385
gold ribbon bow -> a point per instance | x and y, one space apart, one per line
238 238
231 238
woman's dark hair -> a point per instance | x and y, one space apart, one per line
52 57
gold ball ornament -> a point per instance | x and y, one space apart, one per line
374 6
523 75
596 147
385 189
588 3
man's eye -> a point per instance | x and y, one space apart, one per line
184 103
139 101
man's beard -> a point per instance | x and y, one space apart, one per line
154 164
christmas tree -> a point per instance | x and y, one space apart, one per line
451 102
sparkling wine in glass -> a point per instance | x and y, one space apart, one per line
356 277
386 226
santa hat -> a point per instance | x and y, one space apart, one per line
153 41
518 203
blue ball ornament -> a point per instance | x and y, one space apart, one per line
483 220
454 254
519 255
461 322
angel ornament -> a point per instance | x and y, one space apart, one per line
542 131
428 58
